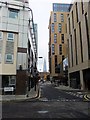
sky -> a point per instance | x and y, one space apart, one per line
41 14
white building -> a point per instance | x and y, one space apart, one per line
17 45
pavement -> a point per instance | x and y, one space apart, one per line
31 95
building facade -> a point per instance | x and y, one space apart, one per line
78 25
18 51
58 38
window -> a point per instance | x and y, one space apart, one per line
13 13
55 38
55 17
10 36
62 18
12 80
1 35
52 27
60 49
62 38
9 58
55 60
59 27
53 49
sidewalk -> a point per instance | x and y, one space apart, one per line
63 87
79 91
32 94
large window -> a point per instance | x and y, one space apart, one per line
53 49
55 17
12 80
10 36
62 38
1 35
13 13
60 27
60 49
9 58
55 38
62 18
52 27
55 60
61 7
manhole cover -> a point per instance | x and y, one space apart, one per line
43 111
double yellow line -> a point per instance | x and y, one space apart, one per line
86 97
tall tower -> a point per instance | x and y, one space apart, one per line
44 66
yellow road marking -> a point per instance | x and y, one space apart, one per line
85 97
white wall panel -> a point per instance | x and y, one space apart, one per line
25 40
12 27
20 22
26 23
13 21
25 29
3 26
20 40
4 12
21 29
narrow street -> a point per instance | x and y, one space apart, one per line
52 103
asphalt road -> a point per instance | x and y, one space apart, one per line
52 103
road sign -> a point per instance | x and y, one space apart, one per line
8 89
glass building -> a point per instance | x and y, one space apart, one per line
57 7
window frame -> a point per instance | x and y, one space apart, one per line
55 38
60 49
10 39
55 17
8 60
52 27
11 78
62 36
14 12
59 27
53 49
62 17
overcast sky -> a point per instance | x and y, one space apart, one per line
41 14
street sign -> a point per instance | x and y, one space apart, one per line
8 89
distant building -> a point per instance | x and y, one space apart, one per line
58 37
79 45
18 51
44 66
